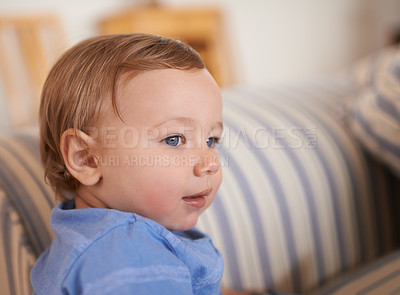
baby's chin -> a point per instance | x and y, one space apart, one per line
182 226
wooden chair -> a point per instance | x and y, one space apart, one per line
201 28
29 44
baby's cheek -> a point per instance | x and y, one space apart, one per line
163 189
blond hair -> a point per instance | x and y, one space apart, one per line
85 78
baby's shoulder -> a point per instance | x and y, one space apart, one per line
98 228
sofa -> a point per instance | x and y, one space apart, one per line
310 194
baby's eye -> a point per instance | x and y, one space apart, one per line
174 141
212 141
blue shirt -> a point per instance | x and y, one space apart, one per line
104 251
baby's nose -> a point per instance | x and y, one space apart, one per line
207 164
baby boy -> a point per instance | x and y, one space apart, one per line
128 132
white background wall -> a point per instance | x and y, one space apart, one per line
271 40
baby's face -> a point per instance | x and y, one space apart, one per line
161 162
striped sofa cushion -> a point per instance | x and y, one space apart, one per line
300 201
375 116
380 277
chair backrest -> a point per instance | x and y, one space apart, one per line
29 44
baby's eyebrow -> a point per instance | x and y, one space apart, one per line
185 121
179 120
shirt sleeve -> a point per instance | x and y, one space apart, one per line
126 261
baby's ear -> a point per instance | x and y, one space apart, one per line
76 149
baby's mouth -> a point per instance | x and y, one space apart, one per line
198 200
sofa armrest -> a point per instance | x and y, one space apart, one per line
16 253
21 178
25 206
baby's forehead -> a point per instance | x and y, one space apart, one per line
158 95
181 84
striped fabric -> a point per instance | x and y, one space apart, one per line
17 257
300 202
378 278
375 117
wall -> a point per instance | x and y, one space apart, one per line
271 40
